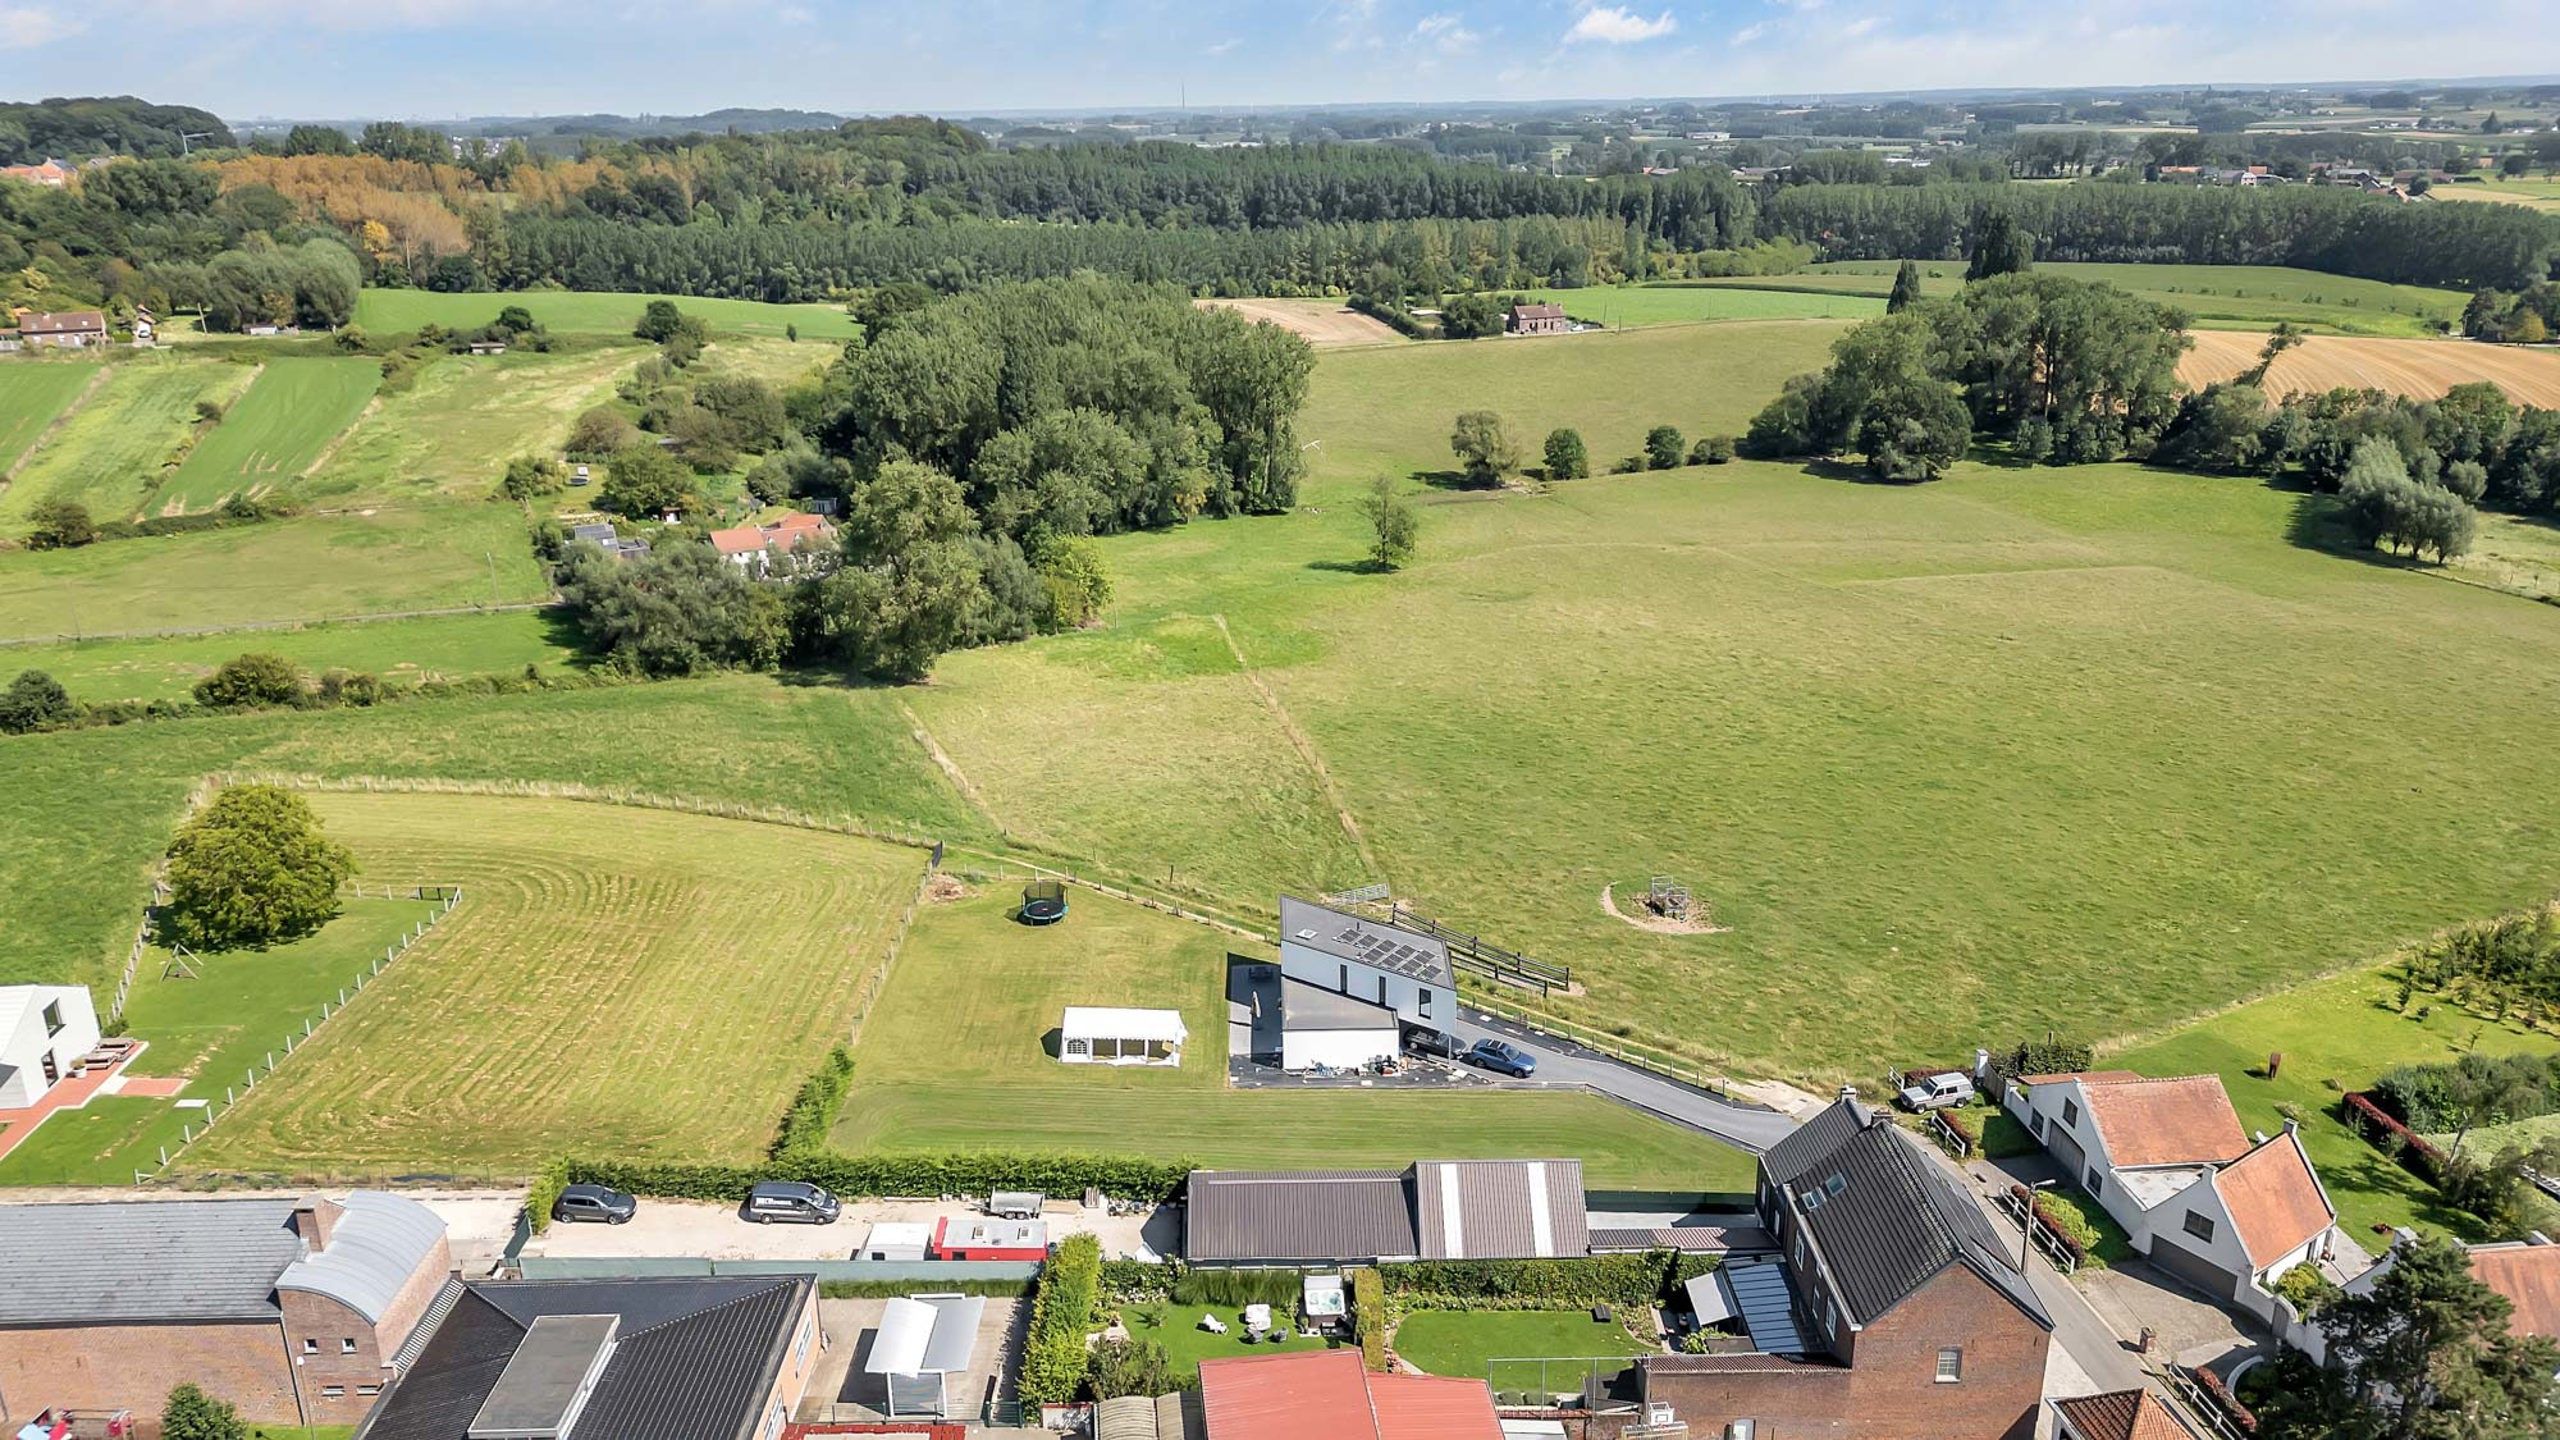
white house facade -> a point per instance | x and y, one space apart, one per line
1365 960
45 1031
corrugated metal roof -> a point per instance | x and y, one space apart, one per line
373 1250
1692 1239
1286 1397
144 1260
1500 1209
1126 1417
1273 1215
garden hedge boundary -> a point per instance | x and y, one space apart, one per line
1369 1316
2417 1154
1054 1357
1635 1279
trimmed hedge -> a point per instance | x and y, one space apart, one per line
1555 1284
890 1289
973 1172
544 1193
1369 1316
813 1111
1054 1357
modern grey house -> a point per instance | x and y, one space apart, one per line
1350 986
1430 1210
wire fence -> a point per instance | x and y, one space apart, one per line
191 1131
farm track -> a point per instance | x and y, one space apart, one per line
2421 369
1305 745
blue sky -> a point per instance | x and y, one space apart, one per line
442 58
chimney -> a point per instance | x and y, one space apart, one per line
315 1220
2292 1126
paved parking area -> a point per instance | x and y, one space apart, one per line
2134 1296
839 1390
717 1232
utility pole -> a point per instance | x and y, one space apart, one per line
185 139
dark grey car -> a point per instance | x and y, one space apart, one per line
791 1202
594 1204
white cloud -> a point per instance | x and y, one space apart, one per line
795 15
1224 46
1445 30
1861 26
1751 32
1617 25
23 27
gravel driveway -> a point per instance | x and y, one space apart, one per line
715 1232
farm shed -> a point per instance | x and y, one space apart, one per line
922 1342
1110 1035
1431 1210
1321 1028
991 1240
896 1240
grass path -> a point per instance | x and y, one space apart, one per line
1306 748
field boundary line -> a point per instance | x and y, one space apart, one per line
1305 745
53 426
951 770
329 451
876 983
20 642
571 790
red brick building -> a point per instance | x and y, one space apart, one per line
1537 318
1331 1395
1893 1311
295 1311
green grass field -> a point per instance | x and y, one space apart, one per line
1627 307
635 983
1492 1344
434 647
240 1007
453 432
586 312
2532 194
2335 1035
2217 297
955 1056
270 435
308 568
113 451
32 392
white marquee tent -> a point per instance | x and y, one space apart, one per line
1107 1035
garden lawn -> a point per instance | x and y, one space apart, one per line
272 433
1473 1344
451 434
1177 1328
2217 297
956 1056
2336 1035
587 312
640 984
1627 307
317 567
240 1008
31 394
435 647
112 452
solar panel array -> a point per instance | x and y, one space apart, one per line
1387 953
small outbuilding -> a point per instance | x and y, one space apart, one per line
991 1240
1111 1035
897 1240
922 1342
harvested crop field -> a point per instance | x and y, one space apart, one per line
638 983
1326 324
2423 368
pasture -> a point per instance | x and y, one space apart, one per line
1625 307
272 433
433 647
113 451
620 982
2422 368
595 312
32 392
308 568
2217 297
956 1056
450 435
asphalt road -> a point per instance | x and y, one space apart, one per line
1563 1064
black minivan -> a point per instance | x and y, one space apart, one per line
594 1204
791 1202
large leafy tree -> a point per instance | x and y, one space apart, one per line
909 581
1487 451
191 1414
680 610
251 869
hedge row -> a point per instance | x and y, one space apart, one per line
1578 1283
858 1176
1369 1316
544 1193
2417 1153
890 1289
334 692
813 1111
2062 1225
1391 316
1062 1314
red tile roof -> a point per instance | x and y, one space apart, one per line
1330 1394
2529 1276
69 322
2121 1415
2186 1120
2274 1199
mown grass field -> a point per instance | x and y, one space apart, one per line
1469 1344
957 1055
451 434
272 433
1627 307
635 983
434 647
114 450
588 312
2217 297
309 568
210 1030
2336 1035
32 392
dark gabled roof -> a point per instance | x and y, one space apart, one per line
694 1358
1889 1218
1270 1215
1363 941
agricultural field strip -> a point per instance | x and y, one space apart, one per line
42 420
1305 745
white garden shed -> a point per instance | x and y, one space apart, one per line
1110 1035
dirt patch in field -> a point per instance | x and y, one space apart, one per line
2420 368
1643 918
944 888
1326 324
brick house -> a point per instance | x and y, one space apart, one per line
2167 1158
1330 1394
1541 318
69 330
1893 1310
2118 1415
658 1358
295 1311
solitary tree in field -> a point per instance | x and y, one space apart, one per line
252 868
1906 288
1566 457
191 1414
1396 524
1664 447
1485 447
60 525
35 701
257 678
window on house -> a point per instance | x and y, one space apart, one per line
53 1019
368 1389
2199 1225
347 1345
1951 1365
1343 984
1382 989
2097 1183
333 1392
2070 1112
2035 1122
1738 1430
310 1346
1426 1002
